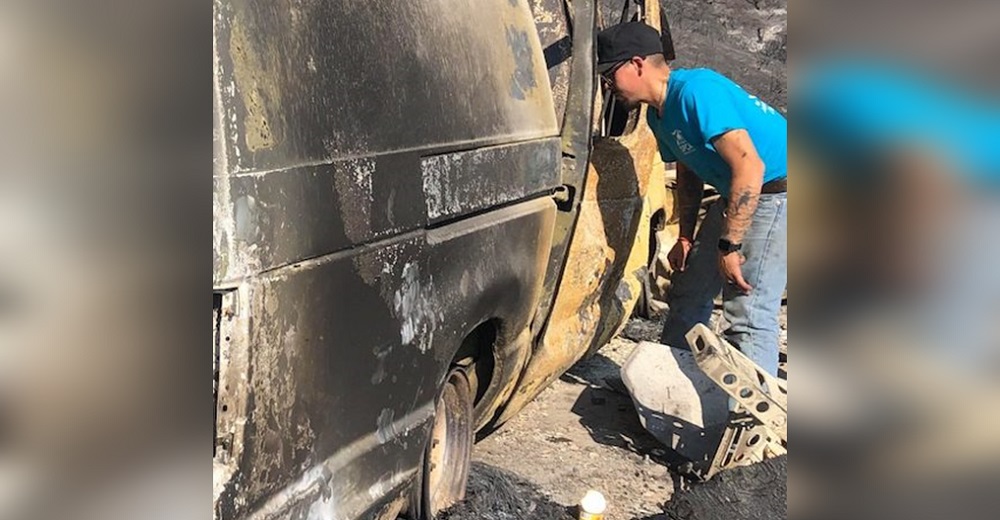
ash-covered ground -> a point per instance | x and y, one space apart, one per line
583 433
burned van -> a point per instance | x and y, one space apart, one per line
424 213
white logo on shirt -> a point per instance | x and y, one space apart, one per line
762 105
682 143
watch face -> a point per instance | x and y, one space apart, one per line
728 247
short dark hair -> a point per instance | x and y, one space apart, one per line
657 59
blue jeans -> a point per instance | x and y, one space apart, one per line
752 318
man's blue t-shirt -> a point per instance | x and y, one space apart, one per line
701 105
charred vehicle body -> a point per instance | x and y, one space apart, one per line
424 213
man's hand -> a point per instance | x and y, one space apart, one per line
677 257
730 265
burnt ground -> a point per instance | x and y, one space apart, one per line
745 40
756 492
495 494
583 433
580 434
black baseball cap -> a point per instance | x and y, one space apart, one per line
623 41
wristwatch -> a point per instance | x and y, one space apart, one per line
726 247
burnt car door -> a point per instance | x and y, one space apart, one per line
617 197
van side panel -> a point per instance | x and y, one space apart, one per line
346 353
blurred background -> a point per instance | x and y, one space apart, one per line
105 159
893 259
105 205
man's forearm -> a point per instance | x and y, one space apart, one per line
689 192
748 177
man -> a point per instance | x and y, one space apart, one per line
716 133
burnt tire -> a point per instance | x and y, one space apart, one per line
448 454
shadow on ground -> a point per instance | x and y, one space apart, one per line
607 412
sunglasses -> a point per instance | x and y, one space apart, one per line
608 78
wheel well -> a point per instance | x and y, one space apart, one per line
476 354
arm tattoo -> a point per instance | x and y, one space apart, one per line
737 149
739 213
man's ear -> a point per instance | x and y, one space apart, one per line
639 63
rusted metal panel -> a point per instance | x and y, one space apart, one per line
575 147
596 291
607 257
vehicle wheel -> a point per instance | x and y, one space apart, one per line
449 452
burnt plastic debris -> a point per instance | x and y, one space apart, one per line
754 492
